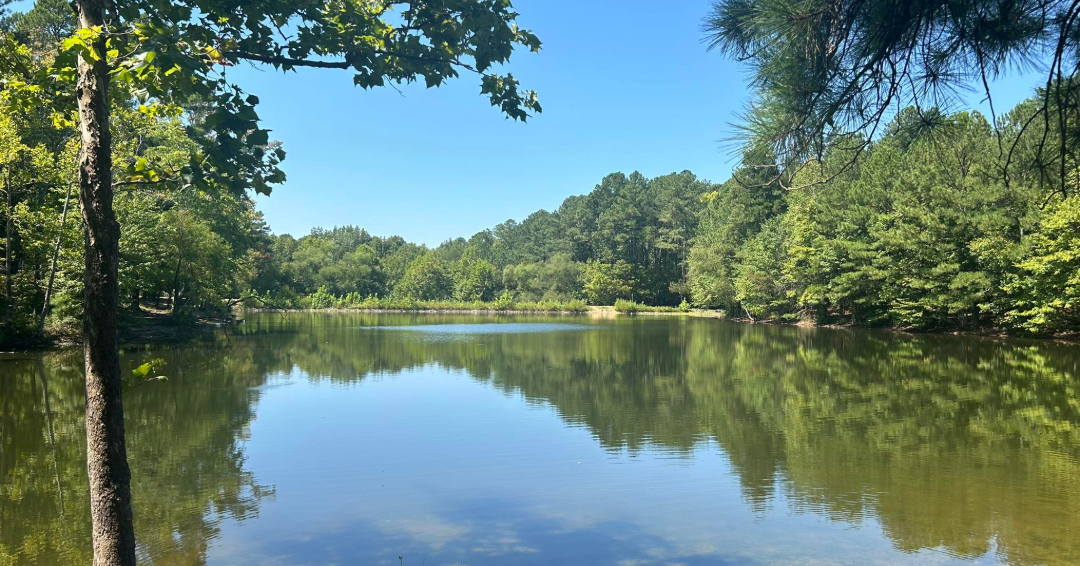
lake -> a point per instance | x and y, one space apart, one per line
355 439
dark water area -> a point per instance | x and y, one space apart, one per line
319 439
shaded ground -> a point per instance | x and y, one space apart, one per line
143 327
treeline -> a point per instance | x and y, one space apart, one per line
627 239
945 222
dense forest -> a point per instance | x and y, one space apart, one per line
627 239
945 221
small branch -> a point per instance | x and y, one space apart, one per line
135 184
147 380
294 62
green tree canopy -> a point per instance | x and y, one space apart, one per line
823 69
429 278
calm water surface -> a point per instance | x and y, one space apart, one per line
356 439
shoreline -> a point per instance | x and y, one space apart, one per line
611 312
156 329
146 328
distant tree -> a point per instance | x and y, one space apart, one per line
45 26
474 280
730 216
1046 285
429 278
761 286
452 250
312 255
395 264
357 272
606 282
201 269
557 279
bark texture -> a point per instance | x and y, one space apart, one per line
107 467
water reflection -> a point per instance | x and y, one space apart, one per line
185 451
485 328
949 448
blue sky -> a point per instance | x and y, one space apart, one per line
626 85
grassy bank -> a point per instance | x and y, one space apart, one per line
504 304
631 307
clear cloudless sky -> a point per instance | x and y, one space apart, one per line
626 85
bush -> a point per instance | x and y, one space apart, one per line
505 302
575 305
630 307
321 299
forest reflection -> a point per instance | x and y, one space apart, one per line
964 444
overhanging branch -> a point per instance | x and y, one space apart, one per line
294 62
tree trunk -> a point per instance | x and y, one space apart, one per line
52 270
175 300
106 453
9 227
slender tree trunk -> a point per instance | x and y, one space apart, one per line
106 453
175 300
9 227
52 270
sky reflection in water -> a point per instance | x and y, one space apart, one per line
653 441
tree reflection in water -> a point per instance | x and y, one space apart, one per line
955 443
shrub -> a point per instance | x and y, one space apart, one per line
505 302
